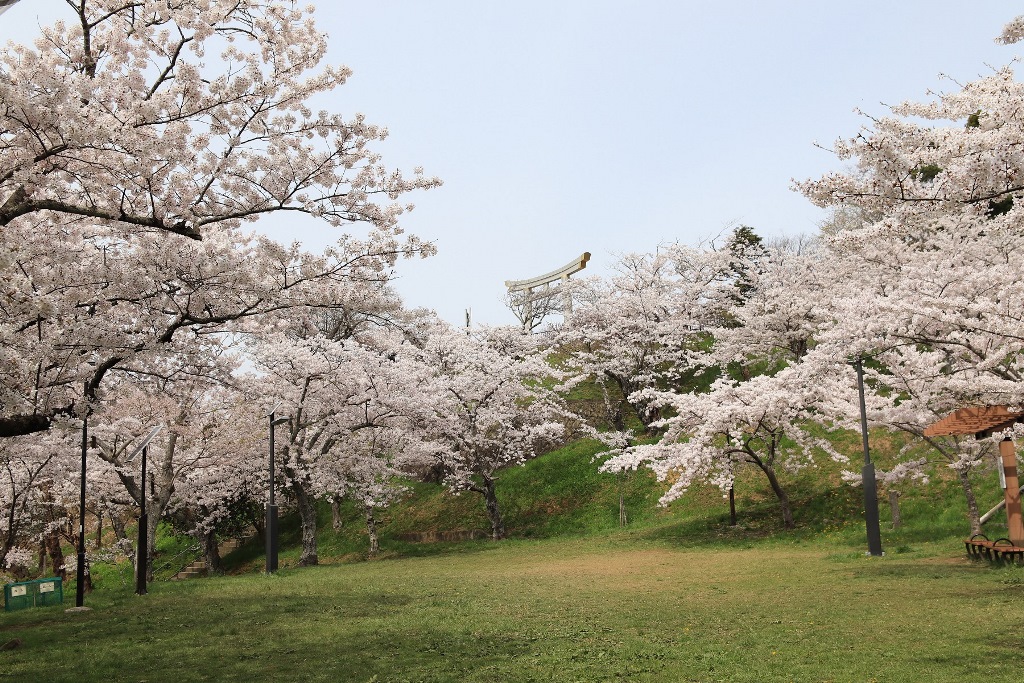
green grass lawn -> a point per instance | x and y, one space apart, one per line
624 606
679 595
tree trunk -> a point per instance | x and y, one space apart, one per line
371 529
260 524
161 488
894 508
210 553
784 505
24 424
307 517
88 578
973 516
493 512
117 524
53 548
99 526
8 542
622 499
336 521
646 413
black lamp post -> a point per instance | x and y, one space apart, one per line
80 570
142 561
868 473
271 522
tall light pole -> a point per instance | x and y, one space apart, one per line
80 569
142 556
271 523
868 473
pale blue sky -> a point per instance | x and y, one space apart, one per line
568 126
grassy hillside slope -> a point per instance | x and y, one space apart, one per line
563 495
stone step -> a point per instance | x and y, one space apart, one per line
233 544
198 568
189 573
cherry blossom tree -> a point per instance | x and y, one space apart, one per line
637 331
127 302
760 421
493 409
195 415
333 380
930 271
178 116
221 480
760 318
909 385
531 309
641 328
120 139
38 483
372 465
939 261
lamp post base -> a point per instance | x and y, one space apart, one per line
80 576
142 556
871 510
271 539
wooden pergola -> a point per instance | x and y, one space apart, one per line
982 422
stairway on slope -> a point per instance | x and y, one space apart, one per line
198 568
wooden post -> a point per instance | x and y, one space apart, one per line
894 508
1014 520
983 421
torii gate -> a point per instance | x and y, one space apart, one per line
982 422
559 275
6 5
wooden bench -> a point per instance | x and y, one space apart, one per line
978 546
1001 550
1004 551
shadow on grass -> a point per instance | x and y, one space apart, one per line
252 555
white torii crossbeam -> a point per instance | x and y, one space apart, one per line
560 275
563 273
6 5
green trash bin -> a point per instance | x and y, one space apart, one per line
36 593
49 592
20 595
